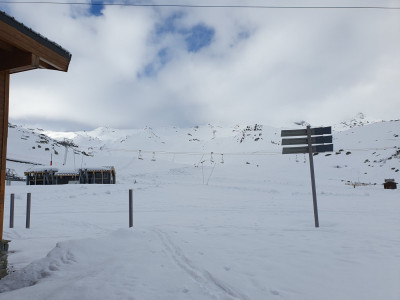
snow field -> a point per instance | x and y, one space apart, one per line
203 229
239 237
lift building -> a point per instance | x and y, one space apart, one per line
53 176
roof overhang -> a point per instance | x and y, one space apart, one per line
22 49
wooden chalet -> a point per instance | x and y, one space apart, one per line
21 49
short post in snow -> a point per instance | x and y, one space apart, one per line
130 208
12 211
28 210
323 144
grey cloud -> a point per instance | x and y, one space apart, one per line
265 66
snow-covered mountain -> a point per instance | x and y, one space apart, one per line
365 151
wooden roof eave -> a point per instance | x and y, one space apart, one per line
18 61
24 52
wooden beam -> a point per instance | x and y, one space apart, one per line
5 46
15 38
45 65
14 60
4 100
19 61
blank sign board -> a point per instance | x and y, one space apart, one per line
314 140
300 132
304 149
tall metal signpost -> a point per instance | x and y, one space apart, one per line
316 140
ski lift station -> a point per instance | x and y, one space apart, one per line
53 175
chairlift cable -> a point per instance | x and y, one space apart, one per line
255 153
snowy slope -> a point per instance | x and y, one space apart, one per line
366 151
236 223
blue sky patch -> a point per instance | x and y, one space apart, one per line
198 37
149 71
195 38
163 56
154 67
241 36
169 25
96 8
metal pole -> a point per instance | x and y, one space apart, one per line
130 209
314 193
12 211
28 210
202 171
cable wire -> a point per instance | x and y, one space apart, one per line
255 153
202 6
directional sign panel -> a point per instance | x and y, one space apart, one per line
321 130
314 149
312 146
314 140
295 132
324 148
300 132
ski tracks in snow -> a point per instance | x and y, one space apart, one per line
209 283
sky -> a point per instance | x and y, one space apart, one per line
136 66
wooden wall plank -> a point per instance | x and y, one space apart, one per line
4 108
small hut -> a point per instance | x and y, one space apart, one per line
390 184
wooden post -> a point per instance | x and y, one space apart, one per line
314 192
28 210
130 208
4 100
12 211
